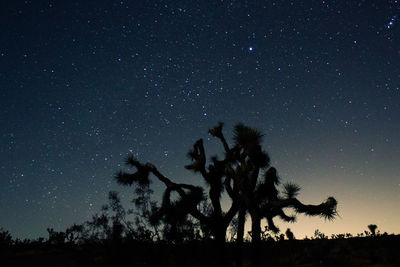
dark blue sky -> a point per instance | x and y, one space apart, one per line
85 83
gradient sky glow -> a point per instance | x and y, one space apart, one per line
85 83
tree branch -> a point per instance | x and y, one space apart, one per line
217 132
326 209
231 212
198 157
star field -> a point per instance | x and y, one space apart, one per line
83 84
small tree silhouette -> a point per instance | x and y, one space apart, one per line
75 233
372 228
5 238
319 235
239 175
56 238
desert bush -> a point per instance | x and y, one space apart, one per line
5 238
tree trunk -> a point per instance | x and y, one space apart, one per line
255 238
240 235
220 235
255 227
241 223
220 244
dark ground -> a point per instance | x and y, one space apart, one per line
366 251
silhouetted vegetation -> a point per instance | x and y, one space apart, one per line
372 228
189 226
246 176
289 234
5 238
273 250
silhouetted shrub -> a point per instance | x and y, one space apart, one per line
289 234
5 238
56 238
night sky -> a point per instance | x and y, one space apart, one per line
83 84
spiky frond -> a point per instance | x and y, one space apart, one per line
291 190
326 210
217 130
124 178
287 218
141 176
197 156
245 136
130 160
195 166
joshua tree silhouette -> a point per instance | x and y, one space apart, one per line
372 228
246 176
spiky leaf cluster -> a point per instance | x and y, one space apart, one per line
197 156
217 130
326 209
246 137
248 142
291 190
141 176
